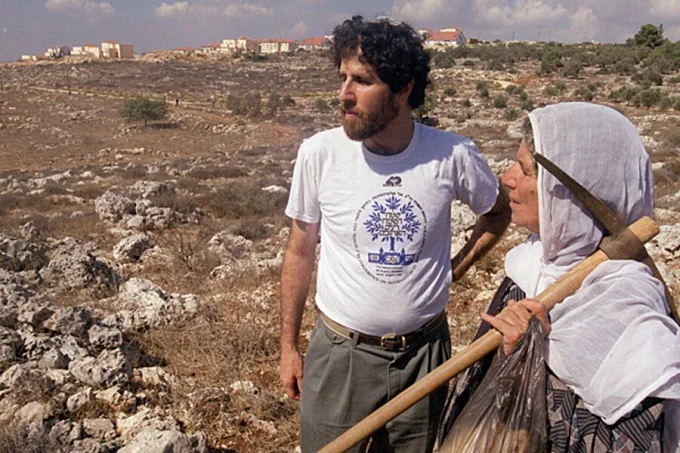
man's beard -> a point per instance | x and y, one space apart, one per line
368 124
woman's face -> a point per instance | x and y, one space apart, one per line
520 179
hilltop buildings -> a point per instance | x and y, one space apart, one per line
440 39
108 49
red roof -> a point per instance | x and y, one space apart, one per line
110 42
91 45
242 37
214 46
184 49
313 41
444 36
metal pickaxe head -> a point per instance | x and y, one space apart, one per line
620 243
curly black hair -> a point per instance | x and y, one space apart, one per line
395 50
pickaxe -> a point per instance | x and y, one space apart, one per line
624 242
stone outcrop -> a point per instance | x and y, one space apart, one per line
74 266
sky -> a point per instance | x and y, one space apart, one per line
32 26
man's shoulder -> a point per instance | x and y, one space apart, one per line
431 134
323 139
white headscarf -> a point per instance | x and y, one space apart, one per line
612 342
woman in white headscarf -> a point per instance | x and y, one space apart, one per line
612 349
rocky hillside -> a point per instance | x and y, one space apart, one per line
139 265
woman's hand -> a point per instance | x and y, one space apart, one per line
513 321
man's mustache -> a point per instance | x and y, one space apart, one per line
349 108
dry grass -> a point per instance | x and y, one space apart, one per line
234 338
27 439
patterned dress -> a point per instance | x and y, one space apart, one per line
571 427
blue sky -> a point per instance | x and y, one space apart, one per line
31 26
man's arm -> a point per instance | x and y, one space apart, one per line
296 274
488 230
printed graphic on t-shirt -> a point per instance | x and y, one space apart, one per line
388 234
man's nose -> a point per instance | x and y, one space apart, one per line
346 92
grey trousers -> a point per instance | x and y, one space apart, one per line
343 382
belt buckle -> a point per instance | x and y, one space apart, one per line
392 342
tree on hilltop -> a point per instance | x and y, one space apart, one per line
143 108
649 36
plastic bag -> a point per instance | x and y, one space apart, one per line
507 413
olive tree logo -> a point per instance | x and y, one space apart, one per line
392 222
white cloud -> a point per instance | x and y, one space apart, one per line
665 9
522 13
210 9
299 29
174 9
417 10
81 6
584 25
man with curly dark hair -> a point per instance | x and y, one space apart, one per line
380 189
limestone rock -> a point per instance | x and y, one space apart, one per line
146 419
14 292
53 359
105 337
122 400
154 441
141 304
154 376
112 208
78 400
10 345
131 248
230 247
74 266
99 428
89 445
244 386
17 255
69 321
152 189
33 413
111 367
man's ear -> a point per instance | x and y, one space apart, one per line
405 93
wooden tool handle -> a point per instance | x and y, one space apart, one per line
644 228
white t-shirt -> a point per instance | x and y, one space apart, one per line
386 223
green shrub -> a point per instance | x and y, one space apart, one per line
467 103
450 91
484 93
584 94
143 108
500 102
468 63
550 90
321 105
649 98
527 105
248 105
495 65
511 114
274 104
512 89
665 103
443 59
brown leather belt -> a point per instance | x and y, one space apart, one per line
388 342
